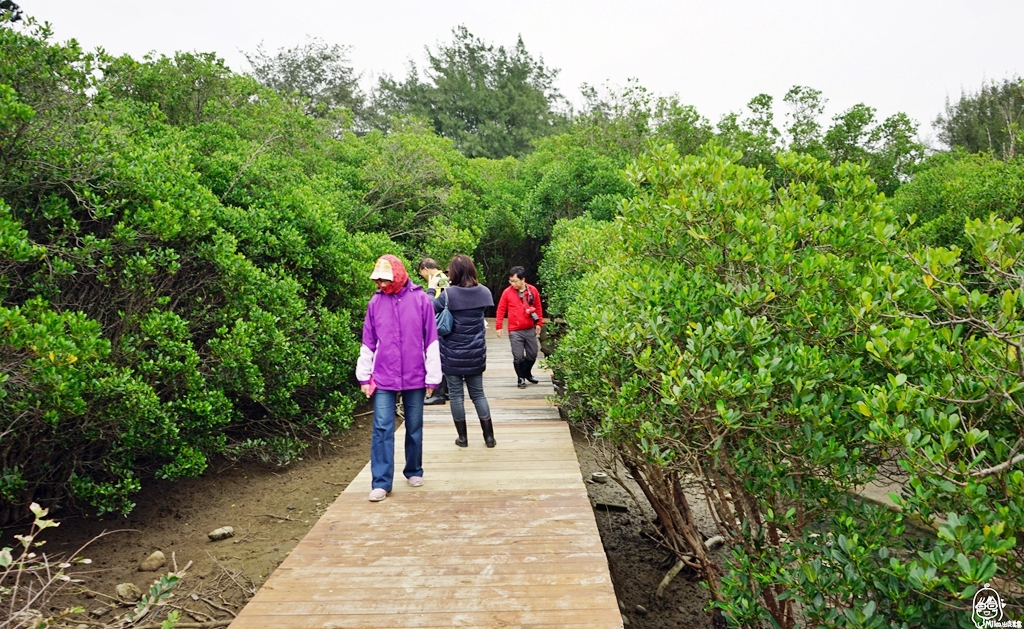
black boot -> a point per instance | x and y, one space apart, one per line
488 429
463 440
526 370
520 376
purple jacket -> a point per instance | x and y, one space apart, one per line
400 346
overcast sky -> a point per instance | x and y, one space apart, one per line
893 55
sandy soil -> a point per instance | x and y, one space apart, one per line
271 509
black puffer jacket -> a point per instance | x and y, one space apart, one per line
464 351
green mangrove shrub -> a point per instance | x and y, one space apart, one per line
952 188
948 327
718 345
173 284
579 247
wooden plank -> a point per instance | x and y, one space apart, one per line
384 602
520 401
440 563
521 546
548 619
460 514
457 501
352 578
426 597
463 531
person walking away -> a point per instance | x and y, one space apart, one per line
521 301
400 355
437 281
464 349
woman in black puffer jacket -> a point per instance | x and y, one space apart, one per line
464 350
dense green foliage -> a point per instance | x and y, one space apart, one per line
178 280
722 350
989 120
950 338
775 348
318 75
579 173
492 102
888 148
955 187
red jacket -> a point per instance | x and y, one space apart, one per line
510 303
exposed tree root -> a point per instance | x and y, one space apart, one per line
671 574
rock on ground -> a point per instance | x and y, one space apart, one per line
153 563
223 532
128 592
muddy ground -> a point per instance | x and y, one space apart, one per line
271 509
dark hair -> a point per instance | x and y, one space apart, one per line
462 271
518 271
427 263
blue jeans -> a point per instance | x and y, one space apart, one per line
456 396
382 445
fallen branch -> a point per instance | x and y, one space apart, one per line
246 592
279 517
248 531
212 604
192 625
711 543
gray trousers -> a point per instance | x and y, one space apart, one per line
524 350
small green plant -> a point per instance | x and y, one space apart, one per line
29 579
159 593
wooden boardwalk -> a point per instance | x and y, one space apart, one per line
501 537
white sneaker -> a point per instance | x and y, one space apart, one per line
416 481
378 494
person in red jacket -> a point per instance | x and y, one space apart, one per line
521 302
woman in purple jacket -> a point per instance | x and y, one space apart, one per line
399 355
